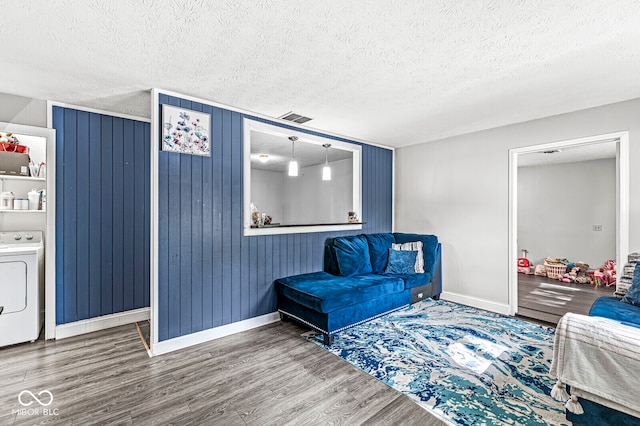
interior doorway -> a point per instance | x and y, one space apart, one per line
559 169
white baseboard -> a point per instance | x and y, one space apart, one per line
487 305
181 342
101 323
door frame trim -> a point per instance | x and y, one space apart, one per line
622 199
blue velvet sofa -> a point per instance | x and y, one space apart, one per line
356 285
596 414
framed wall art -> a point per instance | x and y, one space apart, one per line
185 131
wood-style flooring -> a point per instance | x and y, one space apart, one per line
265 376
548 300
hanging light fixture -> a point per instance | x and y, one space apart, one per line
326 170
293 164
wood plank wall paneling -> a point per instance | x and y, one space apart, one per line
102 214
209 274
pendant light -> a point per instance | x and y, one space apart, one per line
293 164
326 170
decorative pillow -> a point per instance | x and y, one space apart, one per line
633 294
352 255
401 261
413 246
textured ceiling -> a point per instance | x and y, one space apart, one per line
391 72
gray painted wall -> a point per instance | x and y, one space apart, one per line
458 189
313 200
307 198
267 192
21 110
559 204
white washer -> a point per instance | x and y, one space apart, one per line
21 286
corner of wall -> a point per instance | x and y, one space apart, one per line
21 110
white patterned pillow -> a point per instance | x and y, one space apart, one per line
414 245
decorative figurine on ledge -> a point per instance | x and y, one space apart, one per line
256 217
353 217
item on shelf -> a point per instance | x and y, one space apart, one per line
10 143
33 169
9 138
14 147
256 217
6 200
34 199
20 204
353 217
42 170
12 163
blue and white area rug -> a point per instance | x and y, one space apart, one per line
468 366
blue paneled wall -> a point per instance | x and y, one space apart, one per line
209 273
102 214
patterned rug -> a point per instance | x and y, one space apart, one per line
465 365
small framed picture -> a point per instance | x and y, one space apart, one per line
185 131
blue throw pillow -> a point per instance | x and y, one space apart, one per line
352 255
633 294
401 262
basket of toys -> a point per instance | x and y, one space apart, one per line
554 271
555 268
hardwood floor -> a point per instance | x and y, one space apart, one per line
266 376
548 300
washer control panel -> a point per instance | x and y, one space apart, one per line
21 237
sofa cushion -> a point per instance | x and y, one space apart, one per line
324 292
401 261
352 255
613 308
379 245
429 248
412 280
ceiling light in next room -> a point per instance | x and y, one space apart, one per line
293 164
263 158
326 170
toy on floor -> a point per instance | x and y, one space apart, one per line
609 270
540 270
524 266
605 276
576 275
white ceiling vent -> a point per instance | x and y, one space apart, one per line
296 118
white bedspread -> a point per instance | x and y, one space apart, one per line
600 359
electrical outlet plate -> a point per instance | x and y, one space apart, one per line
597 227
